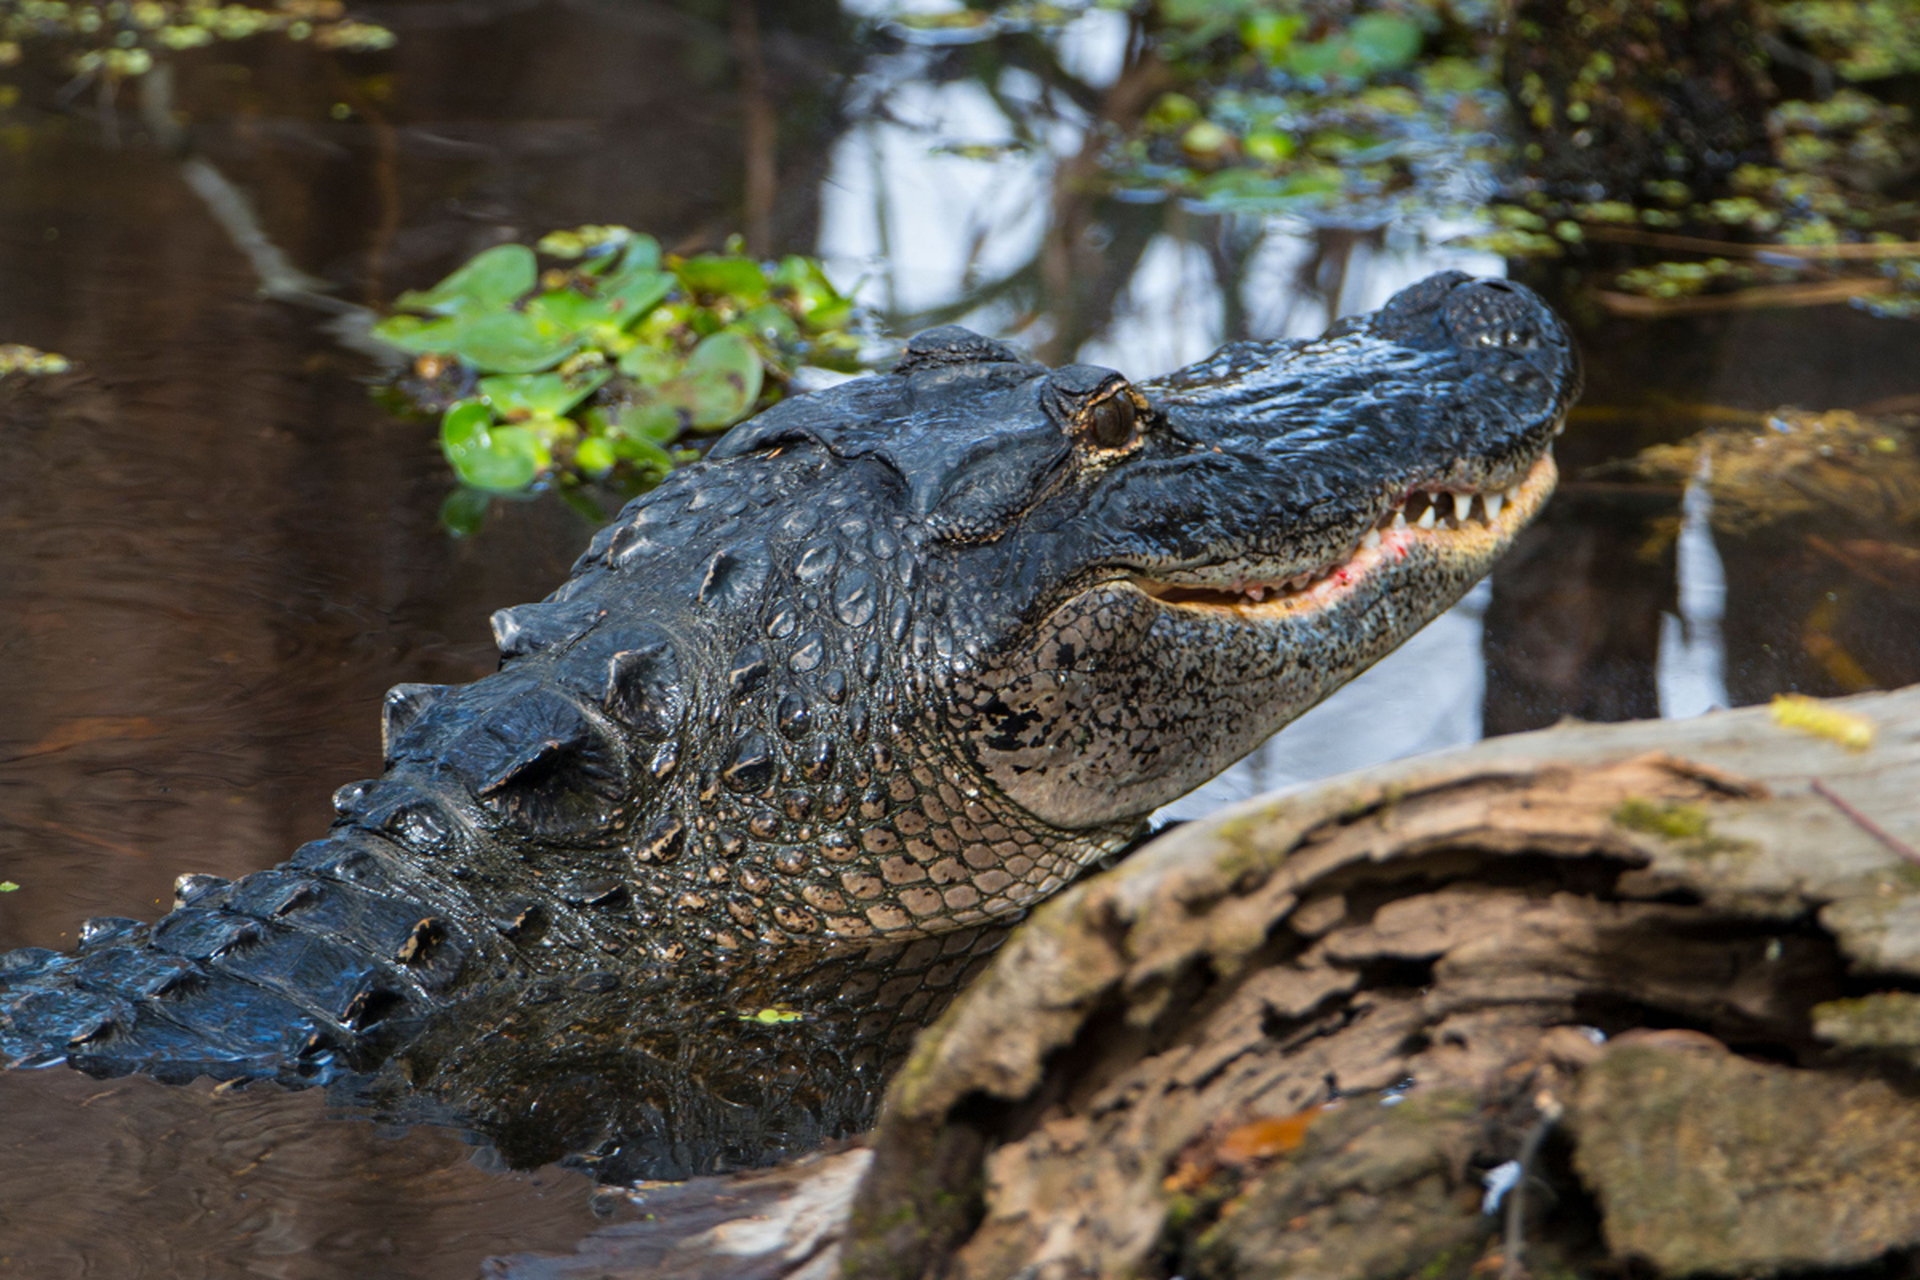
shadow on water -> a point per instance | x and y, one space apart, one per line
219 552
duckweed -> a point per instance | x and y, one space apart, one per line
591 356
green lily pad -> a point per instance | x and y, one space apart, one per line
650 419
1375 42
595 456
1384 42
493 279
513 342
651 366
496 459
770 322
550 394
641 251
415 335
723 275
814 297
567 309
1271 35
716 387
721 382
634 292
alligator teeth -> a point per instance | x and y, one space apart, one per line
1494 502
1462 507
1400 519
1427 519
1256 594
1371 541
1300 581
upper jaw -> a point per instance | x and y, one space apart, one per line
1465 529
1430 418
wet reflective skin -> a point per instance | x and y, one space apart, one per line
897 661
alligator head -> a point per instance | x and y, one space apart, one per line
1141 582
903 655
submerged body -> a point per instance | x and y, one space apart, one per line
891 665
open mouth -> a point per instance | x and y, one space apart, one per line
1470 526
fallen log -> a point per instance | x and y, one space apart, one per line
1641 995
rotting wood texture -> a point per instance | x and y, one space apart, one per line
1674 964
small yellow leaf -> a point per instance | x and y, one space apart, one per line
773 1017
1811 715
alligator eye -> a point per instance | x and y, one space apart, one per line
1110 423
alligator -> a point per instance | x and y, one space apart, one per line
818 716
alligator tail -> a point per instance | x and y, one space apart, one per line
319 966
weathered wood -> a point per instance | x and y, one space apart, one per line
1293 1039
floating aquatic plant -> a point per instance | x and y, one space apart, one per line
1400 109
120 39
1278 106
30 362
596 364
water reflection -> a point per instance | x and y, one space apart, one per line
218 553
1692 675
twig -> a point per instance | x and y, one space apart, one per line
1813 294
1742 249
1514 1244
1867 824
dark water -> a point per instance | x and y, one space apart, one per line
216 551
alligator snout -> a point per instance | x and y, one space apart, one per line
1494 313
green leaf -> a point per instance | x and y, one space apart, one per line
492 279
1270 35
550 394
8 886
1384 42
650 366
819 304
643 251
513 342
595 456
721 382
634 292
655 421
771 324
497 459
567 310
417 336
723 275
464 511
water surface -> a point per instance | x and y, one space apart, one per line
218 551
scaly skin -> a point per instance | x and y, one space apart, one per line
898 659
